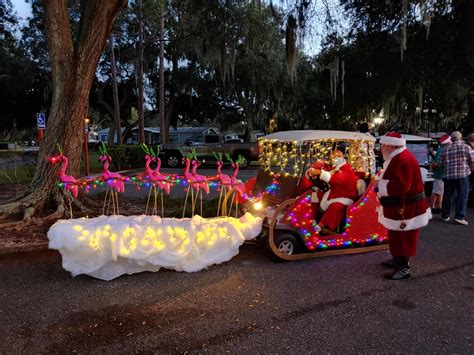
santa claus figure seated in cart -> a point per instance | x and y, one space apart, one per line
334 187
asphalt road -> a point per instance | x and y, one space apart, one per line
249 305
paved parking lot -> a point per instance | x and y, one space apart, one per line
249 305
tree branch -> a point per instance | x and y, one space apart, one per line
93 33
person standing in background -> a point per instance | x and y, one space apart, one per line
436 199
457 162
470 142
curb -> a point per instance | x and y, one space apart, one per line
16 250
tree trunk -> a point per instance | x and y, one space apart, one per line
141 115
111 134
73 65
118 126
163 126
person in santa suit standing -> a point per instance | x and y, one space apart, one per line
405 208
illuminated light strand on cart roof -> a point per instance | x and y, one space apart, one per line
279 154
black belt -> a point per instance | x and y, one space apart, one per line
389 201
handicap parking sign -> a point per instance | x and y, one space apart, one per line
41 120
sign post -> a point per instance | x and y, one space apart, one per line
41 123
86 144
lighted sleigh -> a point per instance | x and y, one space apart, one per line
284 158
111 245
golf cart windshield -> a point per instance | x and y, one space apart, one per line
292 152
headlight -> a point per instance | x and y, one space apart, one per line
257 206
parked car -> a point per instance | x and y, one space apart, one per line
420 148
213 143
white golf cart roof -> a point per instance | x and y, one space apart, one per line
299 137
413 138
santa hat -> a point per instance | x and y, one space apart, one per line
446 139
392 138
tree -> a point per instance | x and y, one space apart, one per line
139 73
434 73
73 64
118 125
23 83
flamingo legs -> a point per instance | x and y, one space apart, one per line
154 210
111 197
190 188
198 194
234 202
223 192
69 199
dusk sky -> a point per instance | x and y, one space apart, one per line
22 8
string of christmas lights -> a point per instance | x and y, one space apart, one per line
177 180
300 216
290 158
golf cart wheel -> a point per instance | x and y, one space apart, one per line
173 159
286 243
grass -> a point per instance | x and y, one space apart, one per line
94 166
17 175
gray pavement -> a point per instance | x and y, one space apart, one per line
249 305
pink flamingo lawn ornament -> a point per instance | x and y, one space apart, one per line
115 182
71 189
159 181
225 183
200 181
237 186
189 179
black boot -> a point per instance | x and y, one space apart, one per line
402 269
398 274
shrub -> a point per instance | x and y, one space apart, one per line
135 156
126 156
119 156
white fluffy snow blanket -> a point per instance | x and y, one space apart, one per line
106 247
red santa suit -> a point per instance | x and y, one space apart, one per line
404 207
306 206
342 192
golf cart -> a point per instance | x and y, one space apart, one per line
282 186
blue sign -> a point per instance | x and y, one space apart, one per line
41 120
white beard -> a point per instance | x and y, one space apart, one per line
386 156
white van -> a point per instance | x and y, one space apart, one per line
420 148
